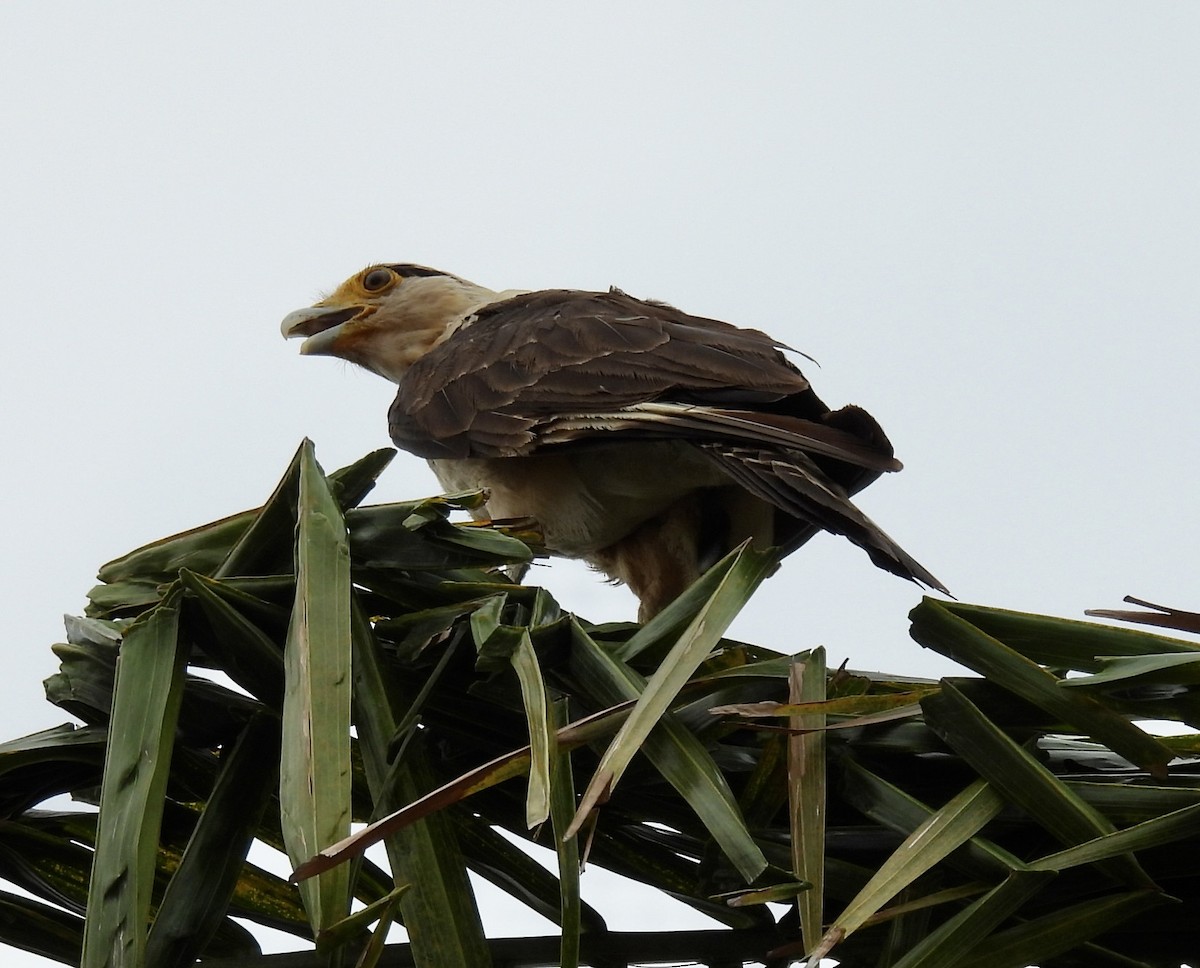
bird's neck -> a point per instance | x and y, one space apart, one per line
433 308
472 299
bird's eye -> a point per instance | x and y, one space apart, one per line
377 279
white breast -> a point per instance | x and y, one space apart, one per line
588 498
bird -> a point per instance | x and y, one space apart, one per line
641 439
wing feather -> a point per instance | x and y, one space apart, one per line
701 423
539 355
796 485
560 368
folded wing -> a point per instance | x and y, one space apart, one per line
561 369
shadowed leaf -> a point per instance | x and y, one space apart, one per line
148 692
199 893
807 792
314 783
944 831
440 911
1019 778
939 626
740 573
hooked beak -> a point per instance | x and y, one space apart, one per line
321 324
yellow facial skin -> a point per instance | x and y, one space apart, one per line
385 317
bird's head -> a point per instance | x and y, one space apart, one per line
386 317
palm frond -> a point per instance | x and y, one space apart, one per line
388 673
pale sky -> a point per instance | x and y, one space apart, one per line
982 219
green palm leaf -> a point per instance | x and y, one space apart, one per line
1013 817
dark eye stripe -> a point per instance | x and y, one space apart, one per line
408 270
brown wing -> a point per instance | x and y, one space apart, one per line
809 501
560 367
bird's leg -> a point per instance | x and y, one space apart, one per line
658 560
524 529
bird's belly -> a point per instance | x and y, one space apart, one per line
587 499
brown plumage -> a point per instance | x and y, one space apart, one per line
643 440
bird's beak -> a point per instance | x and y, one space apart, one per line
321 324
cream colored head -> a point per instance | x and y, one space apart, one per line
386 317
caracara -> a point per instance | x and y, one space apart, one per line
643 440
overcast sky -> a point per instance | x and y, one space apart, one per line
982 219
